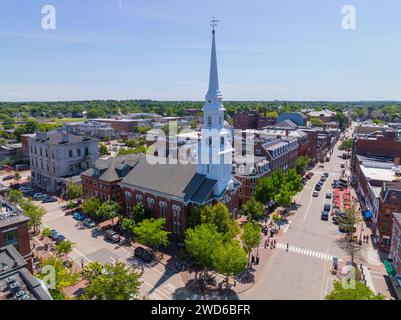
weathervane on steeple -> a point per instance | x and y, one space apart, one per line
213 23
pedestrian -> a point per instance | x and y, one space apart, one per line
274 243
266 244
288 245
367 239
257 260
252 259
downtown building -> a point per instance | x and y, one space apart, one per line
58 158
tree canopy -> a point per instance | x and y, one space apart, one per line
360 292
151 232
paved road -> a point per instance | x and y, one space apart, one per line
303 272
159 283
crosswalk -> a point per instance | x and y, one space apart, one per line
163 292
308 252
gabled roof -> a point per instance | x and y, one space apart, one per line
172 180
286 124
111 168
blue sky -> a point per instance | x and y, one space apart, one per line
160 49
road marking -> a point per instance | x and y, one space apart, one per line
303 251
307 210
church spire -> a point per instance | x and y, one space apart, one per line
213 91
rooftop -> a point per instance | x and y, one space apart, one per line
9 215
16 281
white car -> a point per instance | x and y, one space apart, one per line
315 193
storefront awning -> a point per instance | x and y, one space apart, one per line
367 214
389 268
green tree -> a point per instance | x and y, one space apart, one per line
276 217
34 213
349 224
91 206
301 163
91 271
125 151
103 149
64 277
284 197
46 232
346 145
74 191
316 122
201 242
229 259
253 209
14 196
220 216
251 236
265 190
64 247
293 181
139 213
360 292
117 282
108 210
150 232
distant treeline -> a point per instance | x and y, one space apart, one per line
104 108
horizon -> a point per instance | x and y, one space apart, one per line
119 50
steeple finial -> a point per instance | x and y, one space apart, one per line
213 91
213 24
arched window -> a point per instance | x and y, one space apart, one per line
151 205
176 219
163 209
209 121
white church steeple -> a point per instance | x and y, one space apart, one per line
215 149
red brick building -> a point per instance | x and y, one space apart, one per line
389 204
251 120
101 181
247 170
170 191
395 252
386 143
14 231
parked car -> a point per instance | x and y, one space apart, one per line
38 196
89 223
323 178
78 216
342 165
111 235
315 193
10 177
328 195
143 254
309 175
54 234
48 199
60 238
327 207
318 187
324 216
326 174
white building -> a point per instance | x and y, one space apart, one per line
57 155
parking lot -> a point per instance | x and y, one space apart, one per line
159 282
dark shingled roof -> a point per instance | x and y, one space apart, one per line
111 168
175 180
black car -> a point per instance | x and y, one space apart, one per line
327 207
318 187
143 254
111 235
324 216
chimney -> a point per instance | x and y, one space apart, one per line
64 137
